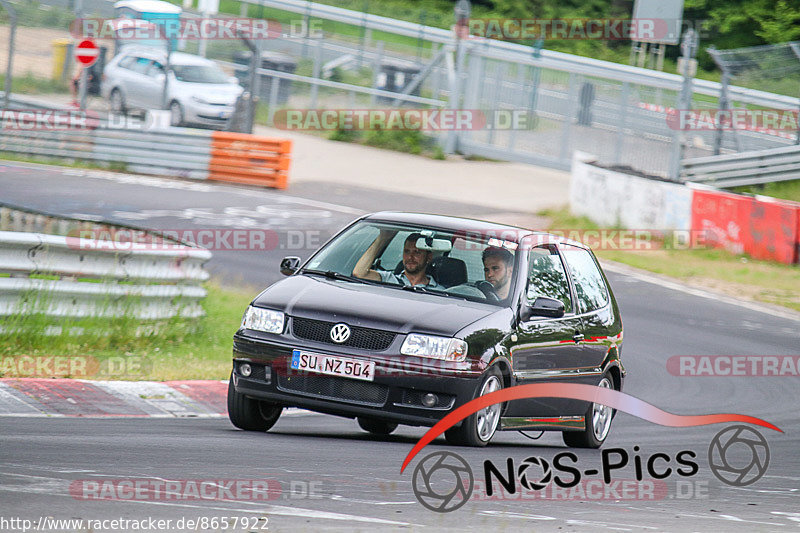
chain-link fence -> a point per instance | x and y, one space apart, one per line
776 67
624 120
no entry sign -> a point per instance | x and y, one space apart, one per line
86 52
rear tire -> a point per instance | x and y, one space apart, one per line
249 414
176 113
478 429
598 423
376 427
116 103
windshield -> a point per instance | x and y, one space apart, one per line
464 265
199 74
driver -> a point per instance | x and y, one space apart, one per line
415 262
498 265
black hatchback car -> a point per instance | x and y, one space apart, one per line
402 317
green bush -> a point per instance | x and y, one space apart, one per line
410 141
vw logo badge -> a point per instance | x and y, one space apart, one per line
340 333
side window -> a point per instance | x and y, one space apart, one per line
127 62
590 289
546 277
155 69
141 65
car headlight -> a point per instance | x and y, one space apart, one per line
265 320
199 99
445 348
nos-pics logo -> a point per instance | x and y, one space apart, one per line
443 481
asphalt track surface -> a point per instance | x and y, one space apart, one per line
332 476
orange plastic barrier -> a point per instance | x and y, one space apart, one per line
249 159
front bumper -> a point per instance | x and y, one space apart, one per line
211 115
395 394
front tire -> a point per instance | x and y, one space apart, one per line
478 429
376 427
598 423
249 414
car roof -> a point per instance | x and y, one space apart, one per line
461 224
149 6
175 58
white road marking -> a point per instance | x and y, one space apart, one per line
729 518
339 497
506 514
608 525
176 183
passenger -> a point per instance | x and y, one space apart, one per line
498 265
415 262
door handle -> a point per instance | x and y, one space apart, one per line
578 337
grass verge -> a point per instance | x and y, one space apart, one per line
714 269
28 84
115 166
786 190
108 348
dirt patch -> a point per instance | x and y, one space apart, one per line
33 50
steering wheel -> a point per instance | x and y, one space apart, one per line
488 290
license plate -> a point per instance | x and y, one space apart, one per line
333 365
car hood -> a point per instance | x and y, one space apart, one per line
214 93
372 306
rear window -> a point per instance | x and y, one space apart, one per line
590 288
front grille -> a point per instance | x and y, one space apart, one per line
333 388
320 331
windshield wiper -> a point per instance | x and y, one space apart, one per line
332 274
418 288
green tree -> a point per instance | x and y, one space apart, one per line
739 23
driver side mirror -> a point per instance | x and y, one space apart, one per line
290 264
542 306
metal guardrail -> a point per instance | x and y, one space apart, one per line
180 153
84 274
746 168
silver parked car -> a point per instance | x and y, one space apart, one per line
198 91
